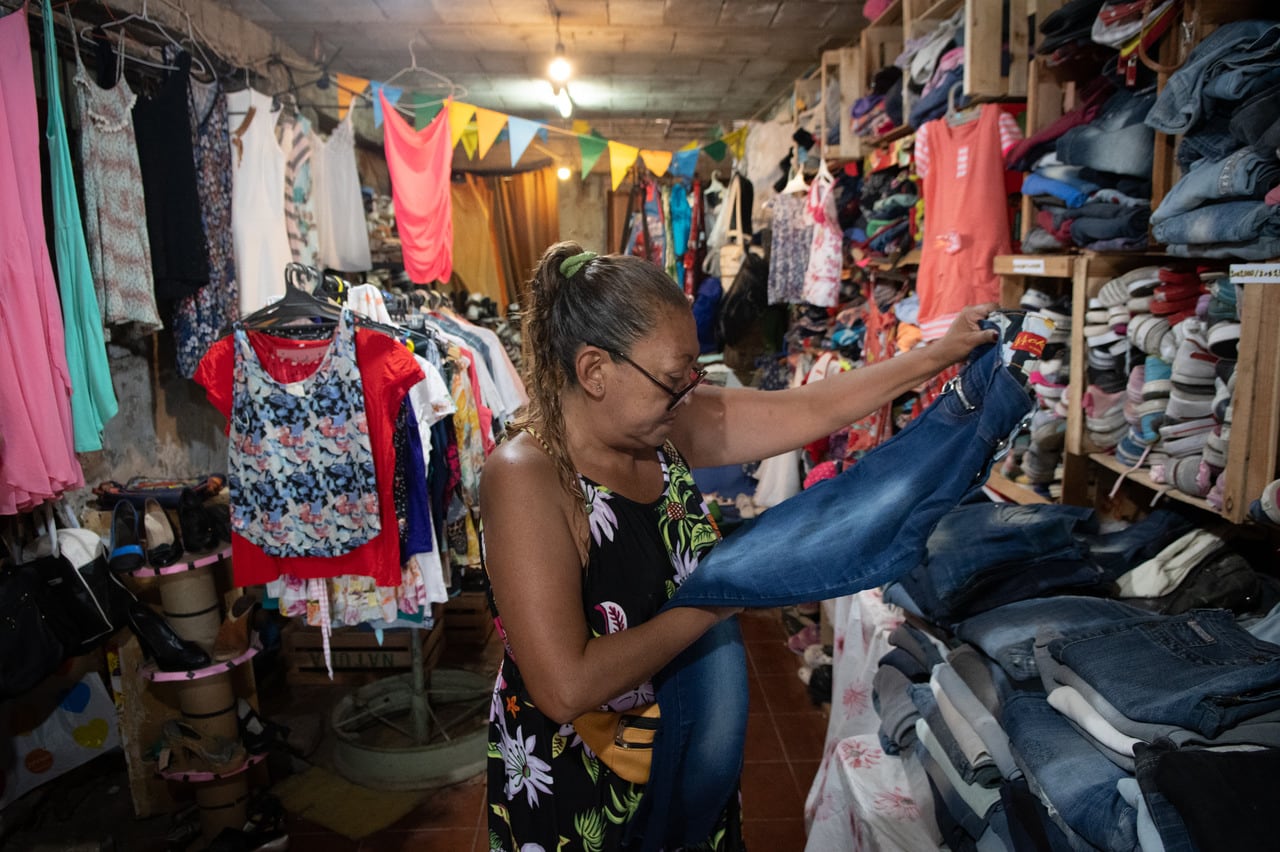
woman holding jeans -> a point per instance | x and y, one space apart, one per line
592 524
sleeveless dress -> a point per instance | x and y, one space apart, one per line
546 788
115 212
258 229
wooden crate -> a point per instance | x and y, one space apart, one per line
357 657
467 620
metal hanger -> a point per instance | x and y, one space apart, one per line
956 117
197 64
440 80
796 182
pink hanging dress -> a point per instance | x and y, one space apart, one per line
420 162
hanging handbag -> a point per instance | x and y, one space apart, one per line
622 739
72 564
31 645
735 241
745 300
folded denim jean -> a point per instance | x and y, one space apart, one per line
1249 45
957 822
978 799
1116 141
1244 174
979 718
1261 249
1006 634
1119 223
984 774
934 105
1197 670
885 507
1068 772
1224 222
1262 730
1209 142
891 698
1254 121
1148 837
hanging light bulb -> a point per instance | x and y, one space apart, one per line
559 70
564 103
564 173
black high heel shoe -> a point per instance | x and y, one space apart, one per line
171 652
164 547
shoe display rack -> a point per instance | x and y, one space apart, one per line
1254 450
192 595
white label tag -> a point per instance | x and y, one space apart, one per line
295 389
1255 273
1029 265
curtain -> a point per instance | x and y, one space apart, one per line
475 246
526 220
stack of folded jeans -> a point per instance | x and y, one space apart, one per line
1222 100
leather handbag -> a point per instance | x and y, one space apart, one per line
623 740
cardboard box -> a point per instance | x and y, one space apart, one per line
355 653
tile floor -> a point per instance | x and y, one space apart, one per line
785 735
784 745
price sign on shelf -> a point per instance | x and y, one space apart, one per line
1028 265
1255 273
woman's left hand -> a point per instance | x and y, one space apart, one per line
964 335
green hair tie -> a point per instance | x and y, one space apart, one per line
571 265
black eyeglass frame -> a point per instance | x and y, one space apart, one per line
677 396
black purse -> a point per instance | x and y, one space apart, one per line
31 631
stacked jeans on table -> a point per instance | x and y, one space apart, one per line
1042 721
1224 101
1094 189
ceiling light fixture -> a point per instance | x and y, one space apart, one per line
564 173
559 70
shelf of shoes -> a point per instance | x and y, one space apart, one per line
152 673
188 562
187 776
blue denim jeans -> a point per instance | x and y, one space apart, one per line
1117 552
1244 174
1227 50
1071 194
1223 222
1260 249
1068 773
1197 670
858 530
1007 634
1168 822
1116 141
985 774
986 554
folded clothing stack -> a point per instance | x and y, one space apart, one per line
932 63
1039 455
888 205
1225 101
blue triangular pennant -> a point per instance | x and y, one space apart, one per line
684 162
393 97
522 132
544 134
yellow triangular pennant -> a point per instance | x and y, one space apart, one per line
656 161
459 117
691 146
581 127
470 141
737 142
488 125
620 159
348 87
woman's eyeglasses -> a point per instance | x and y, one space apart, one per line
697 376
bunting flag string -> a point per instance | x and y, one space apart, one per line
478 129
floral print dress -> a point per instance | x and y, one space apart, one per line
547 790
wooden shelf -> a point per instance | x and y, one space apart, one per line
890 16
1013 492
1142 477
870 143
939 11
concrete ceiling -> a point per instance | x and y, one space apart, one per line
671 68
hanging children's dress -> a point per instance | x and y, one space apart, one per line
115 213
301 466
789 248
93 399
962 168
162 126
37 461
257 199
822 274
419 162
343 234
200 318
